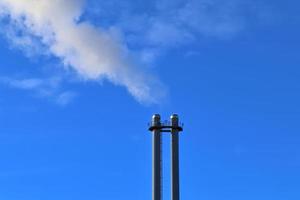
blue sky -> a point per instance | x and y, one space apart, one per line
78 88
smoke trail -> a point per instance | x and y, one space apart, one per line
92 52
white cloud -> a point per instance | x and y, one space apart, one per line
92 52
143 28
21 40
169 23
25 84
160 25
167 35
42 88
184 21
65 98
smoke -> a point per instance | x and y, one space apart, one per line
92 52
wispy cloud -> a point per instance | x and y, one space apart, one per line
114 39
159 25
42 88
25 84
92 52
185 19
189 20
19 40
65 98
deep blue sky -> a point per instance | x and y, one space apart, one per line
237 95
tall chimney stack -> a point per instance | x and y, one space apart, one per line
157 128
174 158
156 159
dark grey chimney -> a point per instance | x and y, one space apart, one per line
157 127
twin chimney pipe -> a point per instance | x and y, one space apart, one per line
157 127
156 159
175 158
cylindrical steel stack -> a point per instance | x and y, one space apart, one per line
156 160
157 129
174 158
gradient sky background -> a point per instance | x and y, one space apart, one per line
229 69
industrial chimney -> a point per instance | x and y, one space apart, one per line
157 127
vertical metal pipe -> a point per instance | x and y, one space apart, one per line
174 159
156 159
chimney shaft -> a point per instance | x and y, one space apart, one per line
174 158
156 159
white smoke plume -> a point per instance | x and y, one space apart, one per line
94 53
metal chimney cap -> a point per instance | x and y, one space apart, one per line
174 116
155 117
